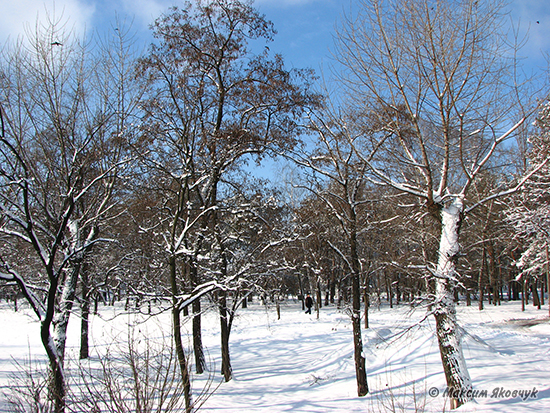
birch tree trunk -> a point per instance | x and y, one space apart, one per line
444 310
62 315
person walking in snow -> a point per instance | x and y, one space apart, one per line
309 304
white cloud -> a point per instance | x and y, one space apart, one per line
146 11
17 17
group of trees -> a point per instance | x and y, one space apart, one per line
126 175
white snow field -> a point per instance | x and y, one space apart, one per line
303 364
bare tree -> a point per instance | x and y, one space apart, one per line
344 196
431 96
118 94
57 168
225 105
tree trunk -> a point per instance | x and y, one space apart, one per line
84 314
63 313
388 289
302 296
523 293
360 369
534 290
480 279
447 329
57 383
491 294
200 360
318 298
318 292
366 299
182 360
176 326
245 301
224 325
548 277
332 288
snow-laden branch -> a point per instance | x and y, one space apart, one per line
509 191
199 291
26 290
496 142
341 254
284 240
187 228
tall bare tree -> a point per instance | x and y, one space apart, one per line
432 93
224 104
344 197
59 157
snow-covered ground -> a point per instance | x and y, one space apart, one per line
303 364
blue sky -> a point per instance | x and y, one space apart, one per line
305 27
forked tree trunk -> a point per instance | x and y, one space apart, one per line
447 328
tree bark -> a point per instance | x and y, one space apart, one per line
84 314
61 319
360 369
548 277
200 361
534 290
444 310
224 325
388 289
366 299
176 326
480 279
57 385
